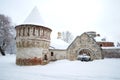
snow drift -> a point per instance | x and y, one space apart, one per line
106 69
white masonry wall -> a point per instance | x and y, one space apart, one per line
26 53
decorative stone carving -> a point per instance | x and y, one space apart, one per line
84 44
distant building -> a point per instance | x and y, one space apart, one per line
106 44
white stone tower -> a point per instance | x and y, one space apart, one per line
33 41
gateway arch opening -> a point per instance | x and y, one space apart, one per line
84 55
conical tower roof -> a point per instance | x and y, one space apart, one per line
34 18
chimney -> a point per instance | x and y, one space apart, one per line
59 35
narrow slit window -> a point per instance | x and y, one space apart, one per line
28 31
34 31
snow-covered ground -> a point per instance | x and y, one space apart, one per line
106 69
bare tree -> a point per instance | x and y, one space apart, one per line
67 36
6 33
118 44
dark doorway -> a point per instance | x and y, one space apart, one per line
45 57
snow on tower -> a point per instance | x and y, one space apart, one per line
34 18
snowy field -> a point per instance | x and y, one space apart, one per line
106 69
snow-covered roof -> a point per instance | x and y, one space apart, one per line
110 47
58 44
34 18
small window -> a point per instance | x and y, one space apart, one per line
52 54
23 31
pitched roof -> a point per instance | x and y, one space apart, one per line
34 18
81 36
58 44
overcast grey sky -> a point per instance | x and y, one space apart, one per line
76 16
